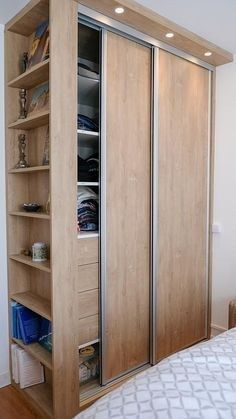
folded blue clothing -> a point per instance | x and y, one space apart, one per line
86 123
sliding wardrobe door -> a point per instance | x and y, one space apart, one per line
183 195
125 233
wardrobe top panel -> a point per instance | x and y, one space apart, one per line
150 23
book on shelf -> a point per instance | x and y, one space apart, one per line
30 327
26 370
29 323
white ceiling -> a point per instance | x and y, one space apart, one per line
211 19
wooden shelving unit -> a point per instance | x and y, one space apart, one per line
37 351
45 287
27 260
34 302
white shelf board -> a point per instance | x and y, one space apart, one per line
89 343
87 183
87 234
87 138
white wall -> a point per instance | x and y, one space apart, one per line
224 244
4 360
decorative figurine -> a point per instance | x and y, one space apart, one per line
48 205
23 112
24 62
22 163
46 150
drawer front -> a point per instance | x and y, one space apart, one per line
88 303
87 277
87 251
88 329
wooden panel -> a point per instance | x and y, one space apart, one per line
36 120
87 251
36 75
88 329
147 21
127 206
87 277
88 303
182 222
27 20
63 139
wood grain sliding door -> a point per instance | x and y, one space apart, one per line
183 137
128 155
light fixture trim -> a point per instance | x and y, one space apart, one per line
208 53
169 35
119 10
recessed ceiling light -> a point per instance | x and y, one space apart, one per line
169 35
208 54
119 10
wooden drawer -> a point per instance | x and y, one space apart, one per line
88 329
88 303
87 251
87 277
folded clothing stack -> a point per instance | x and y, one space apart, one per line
88 170
86 123
87 209
88 68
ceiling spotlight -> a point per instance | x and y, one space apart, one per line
169 35
119 10
208 54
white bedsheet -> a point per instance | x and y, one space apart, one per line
199 382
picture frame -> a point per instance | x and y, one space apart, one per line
39 49
39 99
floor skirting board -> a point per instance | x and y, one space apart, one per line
5 379
216 330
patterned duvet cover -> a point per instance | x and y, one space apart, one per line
199 382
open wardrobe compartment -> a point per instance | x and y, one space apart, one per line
115 148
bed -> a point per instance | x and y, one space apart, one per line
199 382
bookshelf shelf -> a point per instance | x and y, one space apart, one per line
39 215
34 121
27 260
25 22
30 169
37 351
34 302
32 77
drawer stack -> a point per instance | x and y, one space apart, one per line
87 288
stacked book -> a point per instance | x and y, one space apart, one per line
26 370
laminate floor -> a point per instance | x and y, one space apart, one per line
14 406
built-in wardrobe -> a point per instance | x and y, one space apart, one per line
125 194
153 113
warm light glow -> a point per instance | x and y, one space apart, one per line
208 54
119 10
169 35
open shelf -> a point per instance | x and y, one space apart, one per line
87 183
89 343
27 260
25 22
34 302
37 351
88 89
30 169
41 394
39 215
33 121
32 77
